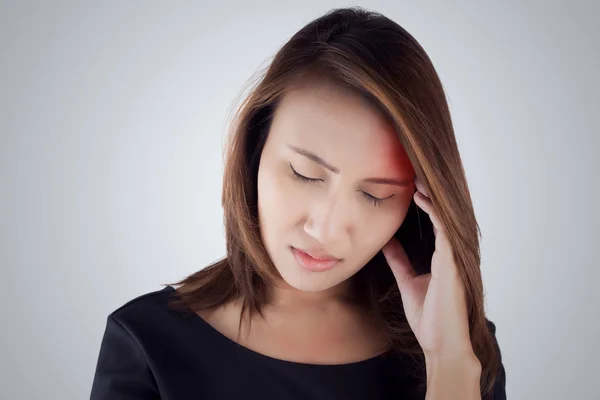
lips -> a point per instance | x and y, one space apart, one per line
319 255
313 264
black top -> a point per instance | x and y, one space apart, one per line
150 351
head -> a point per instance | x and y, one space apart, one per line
333 181
351 96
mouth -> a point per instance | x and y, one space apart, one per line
314 264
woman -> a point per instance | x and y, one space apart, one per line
352 267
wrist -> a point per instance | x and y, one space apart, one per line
454 375
458 364
458 353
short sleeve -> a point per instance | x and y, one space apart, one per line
498 391
122 371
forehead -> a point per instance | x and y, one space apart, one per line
339 125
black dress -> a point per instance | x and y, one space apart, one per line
150 351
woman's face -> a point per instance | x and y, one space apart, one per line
339 212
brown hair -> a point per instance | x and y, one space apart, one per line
375 57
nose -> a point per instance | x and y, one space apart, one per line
328 218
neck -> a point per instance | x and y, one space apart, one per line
285 296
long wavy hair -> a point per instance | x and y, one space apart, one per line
376 58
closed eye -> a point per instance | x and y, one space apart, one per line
376 201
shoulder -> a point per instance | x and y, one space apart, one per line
491 326
499 389
150 314
149 303
133 332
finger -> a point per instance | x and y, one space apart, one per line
420 187
398 261
427 205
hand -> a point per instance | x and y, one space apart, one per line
434 303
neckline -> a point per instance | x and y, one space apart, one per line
218 335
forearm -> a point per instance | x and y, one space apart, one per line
453 379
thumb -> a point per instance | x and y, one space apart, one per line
398 261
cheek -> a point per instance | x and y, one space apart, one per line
376 230
278 204
374 235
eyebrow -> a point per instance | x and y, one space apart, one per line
322 162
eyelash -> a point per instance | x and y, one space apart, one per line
376 201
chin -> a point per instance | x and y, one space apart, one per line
309 281
309 286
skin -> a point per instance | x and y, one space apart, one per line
435 307
332 213
308 320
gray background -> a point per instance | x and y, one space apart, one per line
112 116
